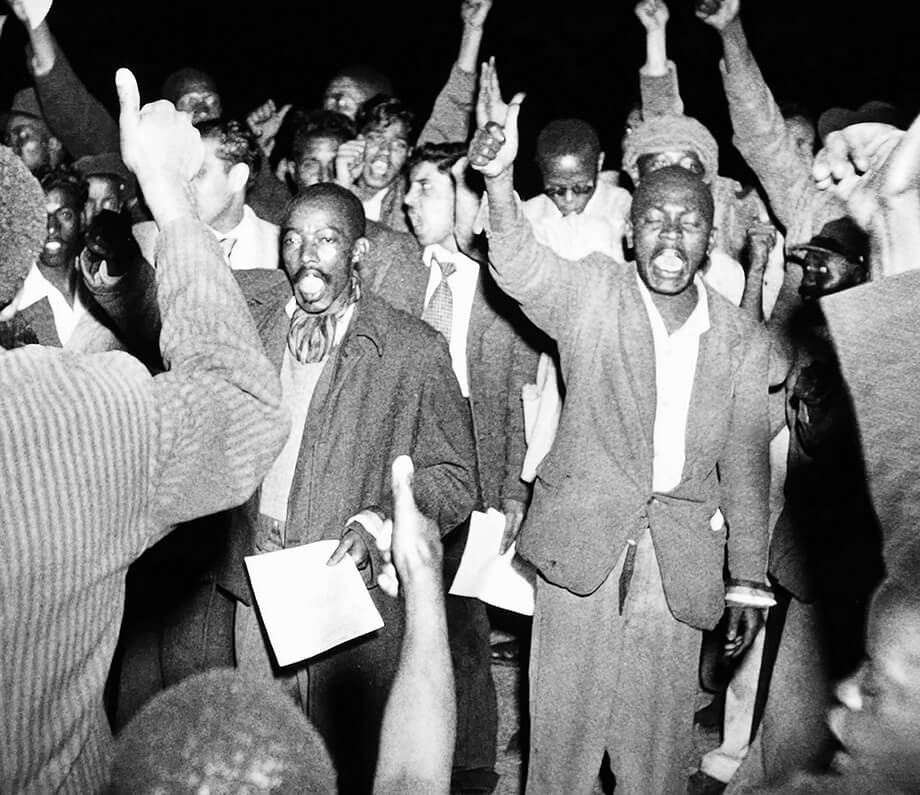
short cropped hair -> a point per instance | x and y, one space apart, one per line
174 85
333 196
321 124
377 82
235 143
382 111
443 155
568 137
221 731
69 179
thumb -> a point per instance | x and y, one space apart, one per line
129 99
734 618
514 110
458 169
402 473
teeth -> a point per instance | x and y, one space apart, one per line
52 245
312 286
669 262
379 167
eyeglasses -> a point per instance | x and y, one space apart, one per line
581 189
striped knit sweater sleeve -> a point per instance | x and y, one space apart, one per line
97 458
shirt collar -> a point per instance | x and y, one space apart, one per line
698 322
461 262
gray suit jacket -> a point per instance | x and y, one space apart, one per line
594 489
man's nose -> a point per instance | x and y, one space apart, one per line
54 225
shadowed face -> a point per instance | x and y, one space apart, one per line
200 99
878 722
29 138
826 272
658 160
346 95
671 229
104 194
65 237
317 162
319 250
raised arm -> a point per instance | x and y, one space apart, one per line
79 120
546 285
219 417
658 76
450 116
419 723
760 132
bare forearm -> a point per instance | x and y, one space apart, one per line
656 53
419 724
470 42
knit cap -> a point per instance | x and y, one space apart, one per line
670 133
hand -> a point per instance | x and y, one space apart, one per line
718 13
353 544
415 556
19 10
466 207
495 144
514 511
869 165
743 625
475 12
159 144
761 241
264 123
349 162
653 14
110 249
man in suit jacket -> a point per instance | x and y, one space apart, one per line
365 383
491 361
664 431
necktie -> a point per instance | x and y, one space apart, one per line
440 308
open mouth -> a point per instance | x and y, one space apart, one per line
311 284
669 262
53 246
379 168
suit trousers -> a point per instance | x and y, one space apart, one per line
601 681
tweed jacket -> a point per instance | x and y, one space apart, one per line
97 460
388 391
501 359
594 488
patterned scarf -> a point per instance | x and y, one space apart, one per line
311 337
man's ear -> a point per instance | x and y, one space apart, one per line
712 242
628 232
239 177
359 250
600 161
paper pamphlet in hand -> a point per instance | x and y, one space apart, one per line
36 11
308 607
505 581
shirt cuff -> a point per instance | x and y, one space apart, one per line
746 593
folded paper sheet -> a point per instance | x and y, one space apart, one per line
505 581
36 11
308 607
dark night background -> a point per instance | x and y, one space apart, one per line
573 57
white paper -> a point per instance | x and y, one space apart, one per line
308 607
505 581
36 11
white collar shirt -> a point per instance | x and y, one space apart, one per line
254 243
36 287
675 369
373 207
462 284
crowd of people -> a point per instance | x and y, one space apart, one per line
689 398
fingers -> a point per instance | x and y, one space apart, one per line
129 99
402 473
341 550
514 110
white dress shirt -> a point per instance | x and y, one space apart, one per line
373 207
675 369
462 284
599 227
256 242
36 287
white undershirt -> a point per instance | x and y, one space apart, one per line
462 284
36 286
